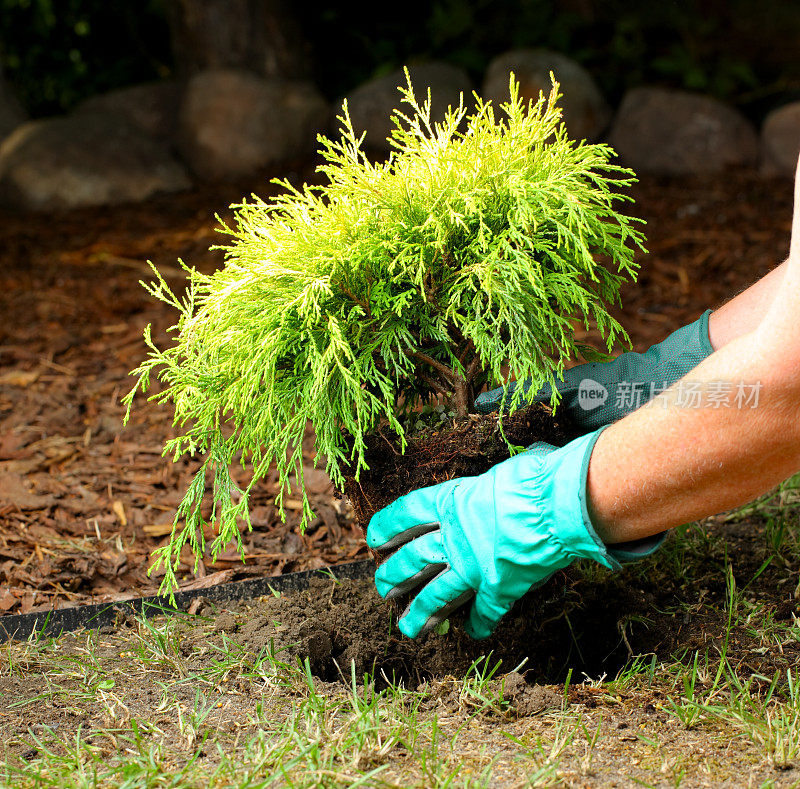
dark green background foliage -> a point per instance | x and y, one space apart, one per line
57 52
740 50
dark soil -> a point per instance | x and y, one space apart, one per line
584 621
334 624
462 449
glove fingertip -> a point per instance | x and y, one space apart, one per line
487 402
478 626
478 631
407 627
381 586
485 615
374 535
385 524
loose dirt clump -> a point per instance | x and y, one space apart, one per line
461 449
528 700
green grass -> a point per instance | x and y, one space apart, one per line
170 702
245 720
294 730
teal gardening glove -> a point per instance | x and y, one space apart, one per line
492 537
598 394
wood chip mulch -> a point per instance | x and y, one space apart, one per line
84 501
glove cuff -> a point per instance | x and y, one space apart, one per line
576 534
704 346
583 496
614 555
633 550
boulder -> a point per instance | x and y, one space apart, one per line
152 107
11 112
85 159
780 140
371 104
673 132
586 113
233 123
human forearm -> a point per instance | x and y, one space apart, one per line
744 313
664 465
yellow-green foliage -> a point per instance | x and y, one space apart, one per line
474 246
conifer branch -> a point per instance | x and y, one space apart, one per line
450 375
473 369
479 242
435 385
464 354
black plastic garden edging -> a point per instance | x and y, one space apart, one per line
62 620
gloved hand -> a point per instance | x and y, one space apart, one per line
598 394
492 537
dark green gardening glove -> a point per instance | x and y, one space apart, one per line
597 394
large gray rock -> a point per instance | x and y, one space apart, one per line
585 112
780 140
152 107
371 104
673 132
84 160
233 123
11 112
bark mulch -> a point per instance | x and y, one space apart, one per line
84 501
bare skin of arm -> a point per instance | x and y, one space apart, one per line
665 465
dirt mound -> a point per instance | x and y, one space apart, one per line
334 623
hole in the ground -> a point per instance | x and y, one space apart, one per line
570 625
